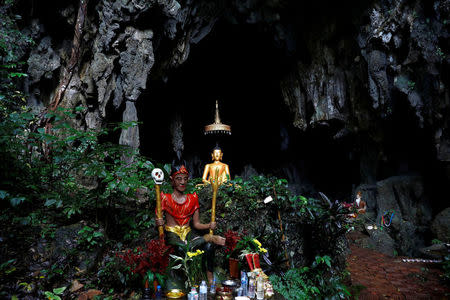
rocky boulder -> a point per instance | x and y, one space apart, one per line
405 197
381 241
440 227
436 251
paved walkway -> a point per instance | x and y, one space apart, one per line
389 278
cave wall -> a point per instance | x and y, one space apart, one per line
369 79
120 44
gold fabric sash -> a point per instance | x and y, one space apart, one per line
181 231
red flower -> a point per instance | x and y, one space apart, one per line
231 239
154 257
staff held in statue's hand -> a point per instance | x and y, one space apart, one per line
215 187
158 178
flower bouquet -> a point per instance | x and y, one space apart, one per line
191 264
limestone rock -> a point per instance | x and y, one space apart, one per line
100 71
441 226
436 251
130 136
382 242
405 196
176 131
378 81
322 83
43 61
409 239
136 62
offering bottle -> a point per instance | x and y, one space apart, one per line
251 286
203 295
260 288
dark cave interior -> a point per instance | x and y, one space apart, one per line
240 66
228 66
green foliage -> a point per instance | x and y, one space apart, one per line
67 169
132 225
319 223
12 40
7 267
12 44
90 238
310 282
55 295
48 230
256 190
53 273
114 274
328 223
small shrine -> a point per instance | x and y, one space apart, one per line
187 246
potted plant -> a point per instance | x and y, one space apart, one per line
231 240
250 248
240 246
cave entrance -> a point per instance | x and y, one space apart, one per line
237 65
240 66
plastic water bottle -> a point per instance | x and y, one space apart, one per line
212 289
259 288
203 291
158 294
193 295
251 286
244 283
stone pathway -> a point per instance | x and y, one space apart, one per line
389 278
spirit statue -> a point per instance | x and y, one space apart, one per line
180 209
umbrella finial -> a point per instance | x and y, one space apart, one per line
217 127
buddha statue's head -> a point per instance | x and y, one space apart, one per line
217 154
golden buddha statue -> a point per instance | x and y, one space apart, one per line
216 168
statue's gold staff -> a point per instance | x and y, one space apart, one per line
215 187
158 178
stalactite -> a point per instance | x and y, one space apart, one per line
176 131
